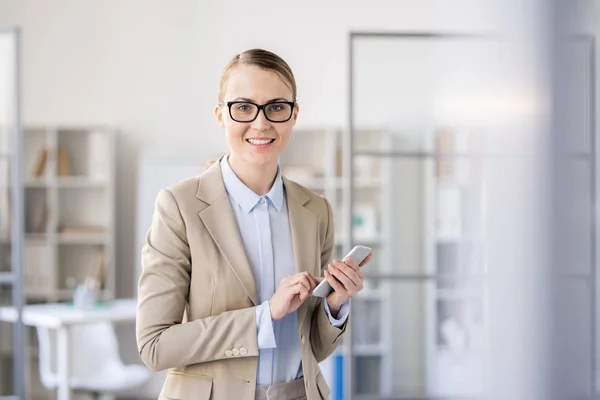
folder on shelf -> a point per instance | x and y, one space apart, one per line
64 164
40 166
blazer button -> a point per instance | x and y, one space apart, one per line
302 339
228 353
243 351
236 352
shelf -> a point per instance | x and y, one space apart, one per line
446 238
83 238
37 183
55 295
63 238
371 295
65 182
458 183
34 237
367 350
80 182
458 294
343 238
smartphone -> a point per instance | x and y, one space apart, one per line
358 254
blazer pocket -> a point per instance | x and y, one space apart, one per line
185 386
324 390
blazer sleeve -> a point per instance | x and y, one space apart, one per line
163 340
325 337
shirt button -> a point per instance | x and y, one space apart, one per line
228 353
236 352
243 351
262 200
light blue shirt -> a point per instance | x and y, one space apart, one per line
265 229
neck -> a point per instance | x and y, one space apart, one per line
259 178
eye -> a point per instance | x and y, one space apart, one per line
243 107
277 107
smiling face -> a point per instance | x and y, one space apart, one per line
260 142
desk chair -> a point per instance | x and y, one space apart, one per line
95 363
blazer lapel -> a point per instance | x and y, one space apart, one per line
220 223
304 227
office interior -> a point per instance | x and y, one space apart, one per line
457 139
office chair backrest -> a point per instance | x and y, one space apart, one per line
93 348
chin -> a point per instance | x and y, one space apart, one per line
262 160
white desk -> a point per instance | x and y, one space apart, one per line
61 316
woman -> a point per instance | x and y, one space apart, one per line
209 308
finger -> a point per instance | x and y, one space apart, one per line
334 283
358 274
297 290
293 291
303 280
348 271
294 280
361 275
312 280
351 263
366 260
342 277
288 281
303 292
309 278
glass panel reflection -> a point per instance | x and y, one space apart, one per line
416 341
422 213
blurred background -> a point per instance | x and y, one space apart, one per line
457 139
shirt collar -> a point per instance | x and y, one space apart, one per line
243 195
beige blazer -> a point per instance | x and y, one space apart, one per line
197 293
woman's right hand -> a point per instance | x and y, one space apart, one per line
290 294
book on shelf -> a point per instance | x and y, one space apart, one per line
64 162
40 166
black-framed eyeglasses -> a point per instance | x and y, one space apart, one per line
246 111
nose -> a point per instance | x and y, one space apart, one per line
261 123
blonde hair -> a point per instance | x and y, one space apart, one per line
263 59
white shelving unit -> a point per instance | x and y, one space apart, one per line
418 326
70 205
455 253
69 219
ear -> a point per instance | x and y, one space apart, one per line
296 110
219 116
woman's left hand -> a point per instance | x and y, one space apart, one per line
346 279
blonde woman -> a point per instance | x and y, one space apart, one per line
233 255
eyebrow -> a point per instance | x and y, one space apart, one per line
252 101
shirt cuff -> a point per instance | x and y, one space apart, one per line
342 314
264 327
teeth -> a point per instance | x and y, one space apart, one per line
260 141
